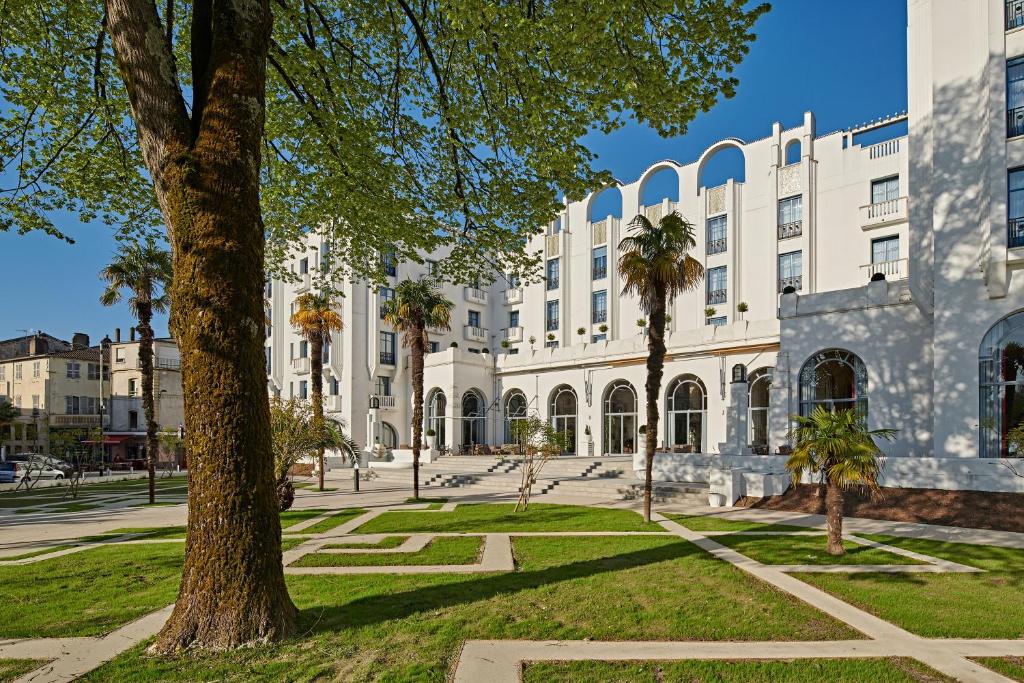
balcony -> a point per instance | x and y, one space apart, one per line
161 363
796 282
892 270
1015 234
513 296
386 402
883 213
513 334
716 296
716 246
600 272
332 404
387 357
476 334
1014 14
791 229
74 420
300 366
303 284
475 295
600 316
884 149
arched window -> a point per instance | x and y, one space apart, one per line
758 384
437 404
1001 384
473 419
515 409
388 435
836 380
687 404
562 410
620 426
793 152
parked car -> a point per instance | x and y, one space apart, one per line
8 473
34 466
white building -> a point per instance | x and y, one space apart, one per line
904 256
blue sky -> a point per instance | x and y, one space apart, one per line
845 62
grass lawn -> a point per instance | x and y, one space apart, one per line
1011 667
442 550
35 553
985 605
892 670
807 550
411 627
497 518
333 521
13 669
716 523
386 542
87 593
288 518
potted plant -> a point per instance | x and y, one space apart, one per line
505 343
485 350
742 308
642 324
533 340
551 336
603 328
431 437
581 331
709 313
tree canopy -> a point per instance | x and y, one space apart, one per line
395 126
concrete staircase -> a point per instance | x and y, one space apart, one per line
600 478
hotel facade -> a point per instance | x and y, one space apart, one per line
859 269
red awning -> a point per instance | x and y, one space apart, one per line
112 439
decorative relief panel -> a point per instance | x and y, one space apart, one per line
790 180
599 232
552 246
653 213
716 200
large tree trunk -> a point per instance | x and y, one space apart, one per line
206 168
416 350
148 400
316 362
834 517
655 369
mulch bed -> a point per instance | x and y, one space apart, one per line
970 509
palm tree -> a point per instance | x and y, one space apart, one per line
656 266
417 305
144 269
838 445
315 319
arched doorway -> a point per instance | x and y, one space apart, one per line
758 384
515 409
474 421
437 405
388 435
834 379
1001 389
620 425
686 408
562 410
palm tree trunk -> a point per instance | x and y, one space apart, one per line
205 166
416 349
316 363
148 400
834 517
655 369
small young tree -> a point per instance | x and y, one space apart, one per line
839 446
538 441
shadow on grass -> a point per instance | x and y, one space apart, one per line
383 607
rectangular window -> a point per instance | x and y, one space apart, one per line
885 190
551 273
551 316
387 348
119 355
291 351
268 290
474 319
1015 208
386 294
332 386
35 369
434 347
791 217
35 401
268 354
74 370
599 307
885 249
133 419
3 372
513 318
94 370
303 389
303 266
303 349
553 344
716 234
718 321
432 270
390 264
1015 97
383 386
790 270
716 285
133 387
17 371
598 338
600 263
513 281
71 405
